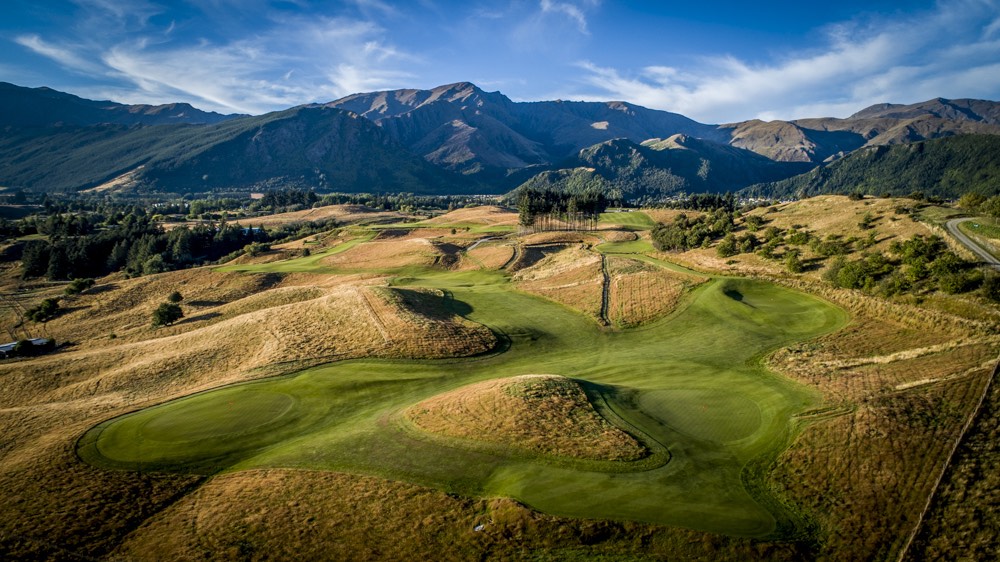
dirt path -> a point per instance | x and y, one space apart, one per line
514 257
605 291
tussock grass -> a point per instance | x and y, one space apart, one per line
491 256
641 292
485 215
571 276
545 414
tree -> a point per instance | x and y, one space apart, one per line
971 200
727 247
78 286
793 263
167 313
44 311
175 297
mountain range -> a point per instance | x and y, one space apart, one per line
451 139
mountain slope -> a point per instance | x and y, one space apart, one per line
660 168
946 167
322 147
823 139
463 128
44 107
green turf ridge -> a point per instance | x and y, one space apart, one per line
692 382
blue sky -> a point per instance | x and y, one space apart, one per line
710 60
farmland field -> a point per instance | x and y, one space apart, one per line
706 413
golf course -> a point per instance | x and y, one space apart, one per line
689 387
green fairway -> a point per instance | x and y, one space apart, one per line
632 219
690 386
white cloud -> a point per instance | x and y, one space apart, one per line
942 53
569 10
65 56
290 61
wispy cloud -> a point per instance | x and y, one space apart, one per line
287 61
66 56
951 52
571 11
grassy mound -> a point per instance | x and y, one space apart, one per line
546 414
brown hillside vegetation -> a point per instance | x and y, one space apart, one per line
571 276
489 255
485 215
546 414
898 385
254 327
407 250
260 514
641 292
340 213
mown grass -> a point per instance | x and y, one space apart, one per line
983 227
691 384
633 219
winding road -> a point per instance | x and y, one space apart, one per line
989 258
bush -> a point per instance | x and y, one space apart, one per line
793 263
78 286
175 297
727 247
990 289
166 314
44 311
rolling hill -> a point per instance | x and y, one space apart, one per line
43 107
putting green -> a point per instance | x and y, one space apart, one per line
690 386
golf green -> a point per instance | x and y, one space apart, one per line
690 386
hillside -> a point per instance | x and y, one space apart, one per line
823 139
322 147
661 168
946 168
45 107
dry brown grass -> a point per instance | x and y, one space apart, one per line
898 384
560 237
617 235
341 213
837 214
963 517
641 292
253 328
489 256
546 414
486 215
864 476
307 515
407 250
571 276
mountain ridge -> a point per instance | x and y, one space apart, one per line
452 138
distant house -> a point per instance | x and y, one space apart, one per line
7 349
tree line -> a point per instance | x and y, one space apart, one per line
135 245
549 209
